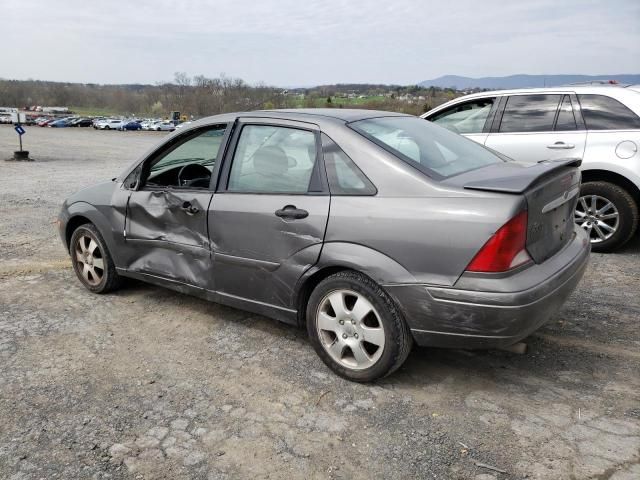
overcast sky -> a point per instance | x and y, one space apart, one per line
304 43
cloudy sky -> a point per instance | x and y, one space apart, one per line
298 43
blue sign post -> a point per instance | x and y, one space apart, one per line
20 154
21 131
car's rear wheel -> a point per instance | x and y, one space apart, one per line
92 261
355 327
608 213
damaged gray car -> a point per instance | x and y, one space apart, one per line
374 230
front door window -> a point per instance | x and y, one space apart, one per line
468 117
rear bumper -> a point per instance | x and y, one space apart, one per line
484 311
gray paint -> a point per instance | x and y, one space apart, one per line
415 237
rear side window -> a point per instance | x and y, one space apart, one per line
434 151
530 113
345 178
566 118
605 113
270 159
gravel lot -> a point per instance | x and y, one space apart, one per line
147 383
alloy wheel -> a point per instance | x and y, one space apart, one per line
598 216
90 260
349 329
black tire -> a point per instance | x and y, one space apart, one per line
627 209
398 339
110 280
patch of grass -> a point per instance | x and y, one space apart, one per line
94 112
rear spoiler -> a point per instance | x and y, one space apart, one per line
517 180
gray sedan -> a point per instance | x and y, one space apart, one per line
375 230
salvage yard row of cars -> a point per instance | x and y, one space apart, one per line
103 123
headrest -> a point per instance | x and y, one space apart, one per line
270 161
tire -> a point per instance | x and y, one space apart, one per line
83 252
621 216
383 325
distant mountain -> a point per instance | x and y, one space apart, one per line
522 81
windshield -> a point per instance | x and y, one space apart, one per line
433 150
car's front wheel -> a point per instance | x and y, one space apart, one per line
608 213
92 261
355 327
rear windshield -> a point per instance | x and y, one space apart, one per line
433 150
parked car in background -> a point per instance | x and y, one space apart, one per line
598 123
183 124
97 120
81 122
5 119
132 125
109 124
46 121
164 126
373 229
61 123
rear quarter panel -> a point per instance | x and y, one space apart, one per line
433 239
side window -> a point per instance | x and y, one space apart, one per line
566 118
529 113
605 113
271 159
466 118
189 163
345 178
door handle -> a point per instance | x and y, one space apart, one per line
290 211
561 146
189 208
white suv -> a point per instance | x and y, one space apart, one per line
598 123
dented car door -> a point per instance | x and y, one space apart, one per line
166 221
169 230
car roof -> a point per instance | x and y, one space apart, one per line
314 115
629 96
584 89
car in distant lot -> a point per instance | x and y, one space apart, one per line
164 126
183 125
109 124
46 121
132 125
81 122
5 119
600 124
60 123
374 229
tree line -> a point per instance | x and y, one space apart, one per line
200 96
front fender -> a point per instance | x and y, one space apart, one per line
110 224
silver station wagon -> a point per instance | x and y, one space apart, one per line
374 230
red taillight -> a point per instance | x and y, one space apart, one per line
506 249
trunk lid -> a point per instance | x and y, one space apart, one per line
551 190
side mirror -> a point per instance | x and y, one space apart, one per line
131 182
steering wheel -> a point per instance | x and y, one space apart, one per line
195 172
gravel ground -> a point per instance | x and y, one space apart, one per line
147 383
